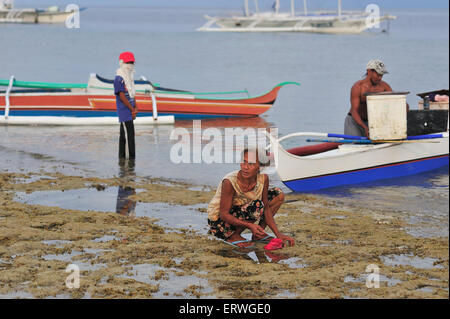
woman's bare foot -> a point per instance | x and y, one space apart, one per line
236 237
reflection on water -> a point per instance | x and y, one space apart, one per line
127 169
126 205
258 256
421 193
231 122
174 218
421 200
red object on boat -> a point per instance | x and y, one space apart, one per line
313 149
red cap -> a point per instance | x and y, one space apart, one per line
126 57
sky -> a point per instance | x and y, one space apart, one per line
237 4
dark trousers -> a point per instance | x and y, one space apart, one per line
127 138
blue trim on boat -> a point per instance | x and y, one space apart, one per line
368 174
89 113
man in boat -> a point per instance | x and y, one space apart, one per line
356 121
242 201
126 105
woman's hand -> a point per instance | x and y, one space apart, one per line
366 131
258 231
284 238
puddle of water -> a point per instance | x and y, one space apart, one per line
32 179
363 277
88 266
17 295
426 289
293 262
116 199
66 257
87 199
259 255
106 238
178 260
348 297
58 243
87 295
286 294
344 242
62 257
337 217
200 188
428 232
176 217
60 296
171 285
410 260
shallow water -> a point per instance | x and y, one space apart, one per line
172 285
178 56
171 217
414 261
75 151
422 200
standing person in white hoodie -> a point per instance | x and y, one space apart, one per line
124 90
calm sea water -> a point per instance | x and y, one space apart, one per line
170 52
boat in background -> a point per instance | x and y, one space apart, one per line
276 21
94 103
8 14
338 163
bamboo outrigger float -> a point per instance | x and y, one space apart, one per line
94 103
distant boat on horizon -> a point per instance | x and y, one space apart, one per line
9 14
337 22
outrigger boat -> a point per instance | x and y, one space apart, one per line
347 160
94 103
337 22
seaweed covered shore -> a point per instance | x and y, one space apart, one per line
120 256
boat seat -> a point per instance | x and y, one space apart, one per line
313 149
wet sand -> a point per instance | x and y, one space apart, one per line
122 256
